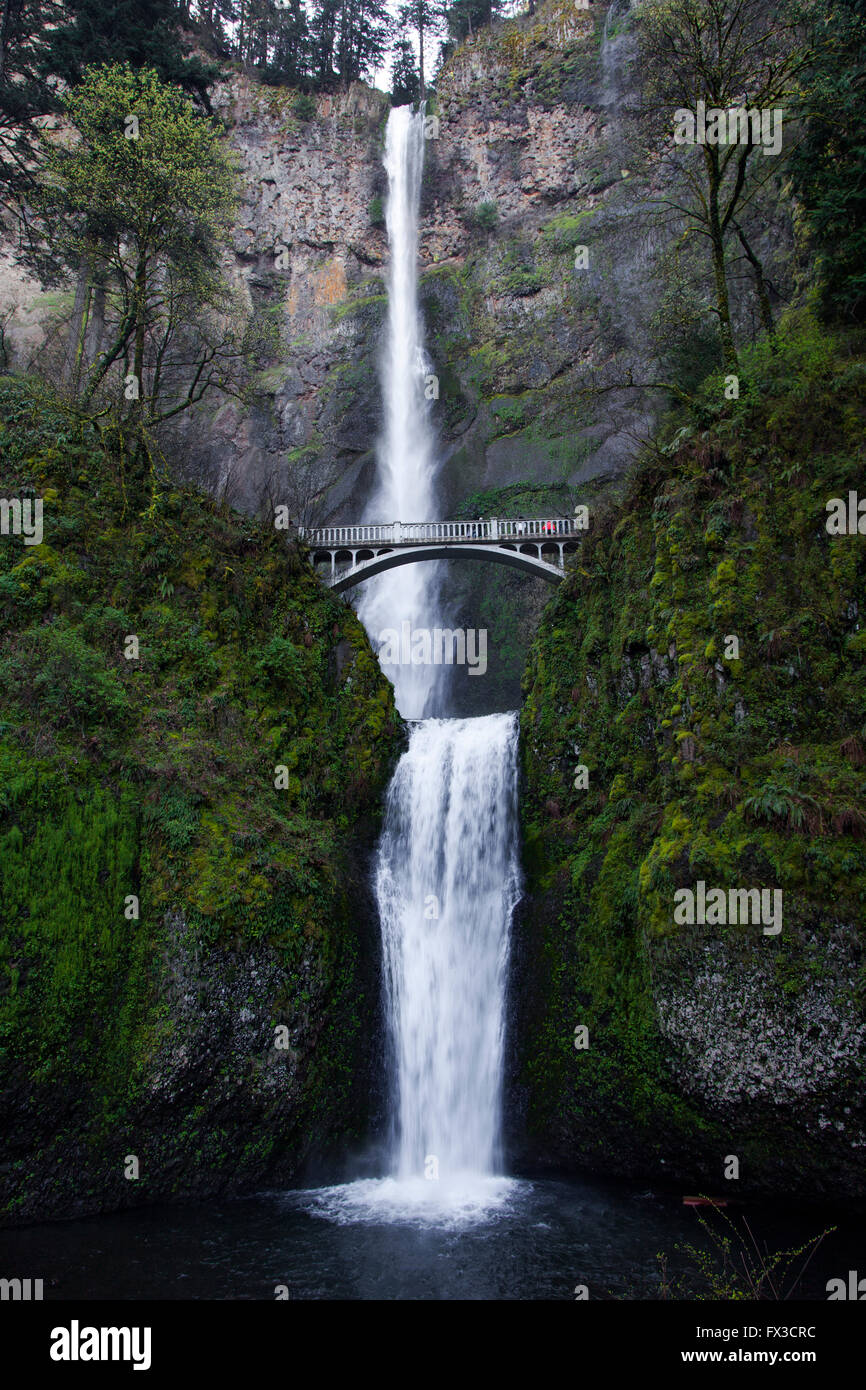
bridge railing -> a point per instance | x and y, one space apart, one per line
414 532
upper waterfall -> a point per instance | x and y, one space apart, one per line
406 454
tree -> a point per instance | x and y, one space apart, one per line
24 92
214 20
143 33
141 203
366 29
301 483
829 165
465 17
349 40
290 58
425 18
723 54
405 79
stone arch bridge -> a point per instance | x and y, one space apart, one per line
355 553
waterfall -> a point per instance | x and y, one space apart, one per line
447 884
447 874
406 452
617 53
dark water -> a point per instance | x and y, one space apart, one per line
543 1238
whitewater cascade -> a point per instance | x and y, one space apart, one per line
447 883
406 453
447 873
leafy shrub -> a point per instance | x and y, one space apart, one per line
56 675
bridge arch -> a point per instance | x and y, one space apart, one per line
526 558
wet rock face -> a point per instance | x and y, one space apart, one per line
736 1037
522 129
539 273
305 249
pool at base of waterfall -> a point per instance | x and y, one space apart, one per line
464 1200
490 1239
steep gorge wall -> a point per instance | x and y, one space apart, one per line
739 769
535 128
522 126
189 946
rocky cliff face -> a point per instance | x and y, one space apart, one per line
736 764
189 947
308 254
533 154
527 125
524 163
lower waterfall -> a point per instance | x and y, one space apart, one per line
447 882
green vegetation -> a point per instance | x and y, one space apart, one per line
719 49
738 771
827 164
141 204
734 1265
304 106
485 216
153 778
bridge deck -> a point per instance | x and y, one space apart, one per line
492 531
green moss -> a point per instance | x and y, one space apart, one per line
738 772
152 778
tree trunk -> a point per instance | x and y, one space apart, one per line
717 241
421 49
96 322
760 284
140 325
71 369
4 31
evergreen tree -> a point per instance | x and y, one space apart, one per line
290 59
425 17
24 92
214 20
349 40
465 17
323 42
143 33
829 164
366 29
405 79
